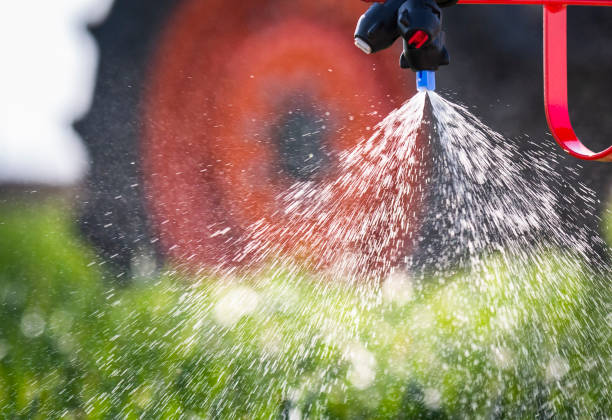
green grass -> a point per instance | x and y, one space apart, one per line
529 340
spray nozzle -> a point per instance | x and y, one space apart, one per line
426 80
419 23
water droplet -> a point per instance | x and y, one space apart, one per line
236 303
32 325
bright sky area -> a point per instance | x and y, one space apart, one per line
47 75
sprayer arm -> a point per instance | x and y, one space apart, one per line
555 87
555 73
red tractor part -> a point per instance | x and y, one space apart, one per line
244 100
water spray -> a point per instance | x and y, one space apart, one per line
419 23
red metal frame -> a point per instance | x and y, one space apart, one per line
555 72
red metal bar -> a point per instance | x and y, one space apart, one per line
555 86
555 73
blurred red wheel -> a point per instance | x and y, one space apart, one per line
243 101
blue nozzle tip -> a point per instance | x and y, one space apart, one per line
426 80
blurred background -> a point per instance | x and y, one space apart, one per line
132 131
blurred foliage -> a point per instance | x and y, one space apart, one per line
533 341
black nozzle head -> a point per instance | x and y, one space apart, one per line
429 57
419 16
377 27
419 22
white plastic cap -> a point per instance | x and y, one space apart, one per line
363 45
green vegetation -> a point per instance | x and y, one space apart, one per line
521 341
